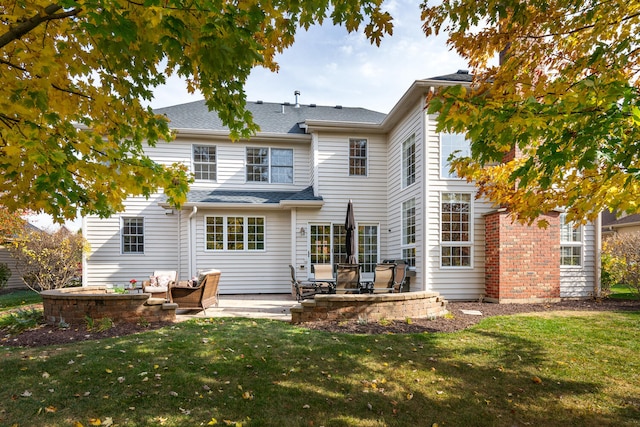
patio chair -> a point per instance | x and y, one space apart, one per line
323 278
348 279
159 283
383 277
301 290
399 276
201 296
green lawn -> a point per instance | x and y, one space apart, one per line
623 292
562 369
18 298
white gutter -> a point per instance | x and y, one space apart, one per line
191 229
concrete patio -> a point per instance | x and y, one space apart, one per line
260 306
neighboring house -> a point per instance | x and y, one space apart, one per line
280 198
15 281
613 224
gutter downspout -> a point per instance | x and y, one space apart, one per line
191 230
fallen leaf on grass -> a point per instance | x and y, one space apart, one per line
50 409
536 380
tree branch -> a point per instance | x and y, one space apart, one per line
16 32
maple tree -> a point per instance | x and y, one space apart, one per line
74 74
565 97
11 223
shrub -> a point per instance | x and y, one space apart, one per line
48 260
621 261
5 274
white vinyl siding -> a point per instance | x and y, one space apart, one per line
578 281
105 263
410 127
247 271
457 283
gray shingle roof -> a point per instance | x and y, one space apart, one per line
459 76
250 197
272 117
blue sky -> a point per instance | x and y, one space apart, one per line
332 67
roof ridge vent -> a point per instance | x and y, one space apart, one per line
338 107
463 72
259 102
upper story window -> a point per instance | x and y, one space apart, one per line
570 243
234 233
409 231
455 230
452 143
409 161
132 235
204 162
357 157
273 165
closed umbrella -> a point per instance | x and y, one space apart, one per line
350 227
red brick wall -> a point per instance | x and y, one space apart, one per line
522 262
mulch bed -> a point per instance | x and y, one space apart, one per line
52 335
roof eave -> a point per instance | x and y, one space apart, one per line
417 90
332 126
283 204
259 136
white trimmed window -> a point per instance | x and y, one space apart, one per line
327 245
570 243
204 162
455 230
273 165
452 144
368 247
409 231
234 233
357 157
409 161
132 235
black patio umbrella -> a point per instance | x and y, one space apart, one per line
350 227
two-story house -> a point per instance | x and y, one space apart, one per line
280 198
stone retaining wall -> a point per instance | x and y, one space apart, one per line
370 307
75 305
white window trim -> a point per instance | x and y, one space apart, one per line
445 174
366 160
269 165
404 174
144 235
470 243
245 233
193 162
404 245
573 244
378 237
332 241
